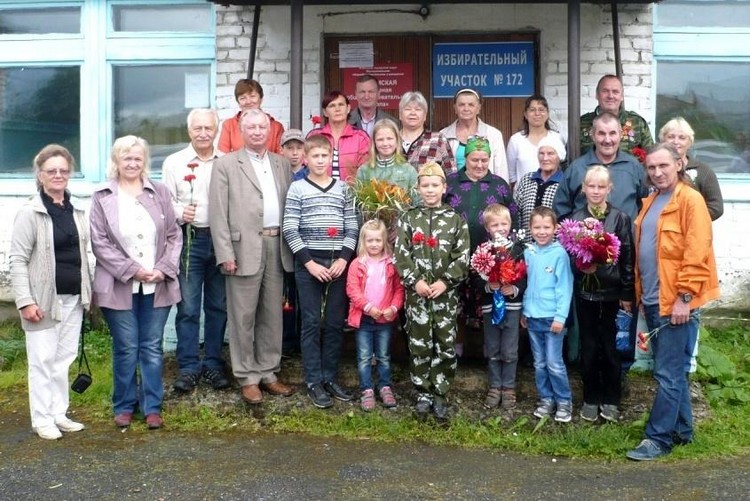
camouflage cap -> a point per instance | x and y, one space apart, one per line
431 169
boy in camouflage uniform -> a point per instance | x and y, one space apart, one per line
432 256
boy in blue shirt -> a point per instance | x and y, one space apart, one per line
546 304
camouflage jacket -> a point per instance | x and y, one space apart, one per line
432 244
635 132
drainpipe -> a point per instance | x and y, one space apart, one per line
253 43
574 79
295 71
616 39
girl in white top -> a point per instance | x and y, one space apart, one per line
524 144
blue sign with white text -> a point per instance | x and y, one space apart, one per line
494 69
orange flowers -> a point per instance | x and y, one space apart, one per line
379 199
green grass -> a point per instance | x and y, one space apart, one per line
724 373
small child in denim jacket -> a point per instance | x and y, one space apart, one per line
375 297
546 304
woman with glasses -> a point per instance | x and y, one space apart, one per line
524 144
421 146
468 104
51 283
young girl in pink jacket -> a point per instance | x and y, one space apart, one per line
376 295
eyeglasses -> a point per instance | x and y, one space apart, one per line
55 172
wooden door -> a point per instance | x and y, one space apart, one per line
503 113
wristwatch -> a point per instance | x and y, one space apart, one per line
686 297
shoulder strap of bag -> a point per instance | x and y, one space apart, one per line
82 360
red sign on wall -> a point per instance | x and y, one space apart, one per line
395 79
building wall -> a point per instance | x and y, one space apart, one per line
597 48
234 25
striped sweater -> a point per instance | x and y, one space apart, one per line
320 221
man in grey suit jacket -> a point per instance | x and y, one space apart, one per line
247 196
367 114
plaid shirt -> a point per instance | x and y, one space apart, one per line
532 192
431 146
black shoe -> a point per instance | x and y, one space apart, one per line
422 408
186 382
216 378
440 408
678 439
319 396
337 391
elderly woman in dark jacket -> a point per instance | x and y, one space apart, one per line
599 292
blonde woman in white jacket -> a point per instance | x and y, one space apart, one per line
51 283
468 104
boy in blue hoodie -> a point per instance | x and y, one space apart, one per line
546 303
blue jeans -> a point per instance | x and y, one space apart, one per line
137 346
549 368
203 281
671 411
320 338
372 336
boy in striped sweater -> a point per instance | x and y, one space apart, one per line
321 227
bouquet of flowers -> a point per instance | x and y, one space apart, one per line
588 243
494 263
379 199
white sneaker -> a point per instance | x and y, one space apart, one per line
49 432
68 425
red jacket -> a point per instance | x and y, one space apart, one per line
355 289
354 149
231 140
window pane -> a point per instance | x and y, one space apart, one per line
38 106
162 18
714 97
704 14
153 102
38 21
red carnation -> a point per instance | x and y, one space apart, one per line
192 165
639 153
315 119
190 178
432 242
333 232
418 238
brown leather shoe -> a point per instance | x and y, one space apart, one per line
251 394
277 388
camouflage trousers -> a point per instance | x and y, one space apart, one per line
431 324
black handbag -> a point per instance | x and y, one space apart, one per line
83 379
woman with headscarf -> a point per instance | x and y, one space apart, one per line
468 104
538 188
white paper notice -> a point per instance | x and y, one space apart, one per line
196 90
356 55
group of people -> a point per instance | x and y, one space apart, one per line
231 230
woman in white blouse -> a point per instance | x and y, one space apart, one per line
137 243
468 104
524 144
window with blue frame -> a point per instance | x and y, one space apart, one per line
702 53
82 73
